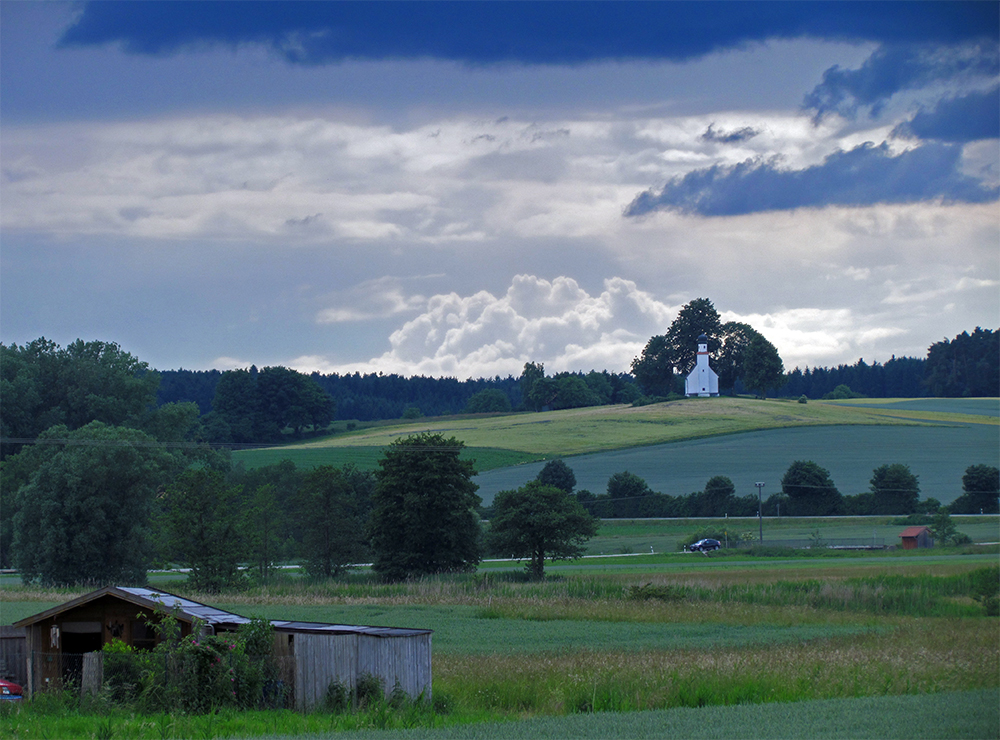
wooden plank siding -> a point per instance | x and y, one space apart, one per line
14 654
322 659
398 660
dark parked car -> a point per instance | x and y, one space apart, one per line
705 545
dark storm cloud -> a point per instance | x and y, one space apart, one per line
894 68
529 32
961 119
864 176
729 137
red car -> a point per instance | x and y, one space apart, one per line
10 691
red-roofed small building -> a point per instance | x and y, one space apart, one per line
914 537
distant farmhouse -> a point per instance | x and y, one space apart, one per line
702 381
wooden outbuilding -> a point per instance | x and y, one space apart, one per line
914 537
314 654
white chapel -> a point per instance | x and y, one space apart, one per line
702 380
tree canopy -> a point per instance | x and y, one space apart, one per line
968 365
539 521
331 507
256 406
557 473
204 528
44 385
980 489
84 515
424 516
810 490
762 367
896 490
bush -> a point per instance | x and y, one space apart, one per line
337 699
369 690
803 399
986 589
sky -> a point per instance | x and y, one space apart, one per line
458 188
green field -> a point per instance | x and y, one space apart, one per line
810 647
642 640
676 447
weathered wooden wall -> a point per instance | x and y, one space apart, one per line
14 654
322 659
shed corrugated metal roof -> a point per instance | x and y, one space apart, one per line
191 610
149 597
208 614
344 629
913 531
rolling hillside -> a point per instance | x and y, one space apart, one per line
677 446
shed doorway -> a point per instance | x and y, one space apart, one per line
78 638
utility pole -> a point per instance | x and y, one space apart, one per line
760 510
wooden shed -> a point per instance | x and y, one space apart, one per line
914 537
315 653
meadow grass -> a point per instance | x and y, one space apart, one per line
616 647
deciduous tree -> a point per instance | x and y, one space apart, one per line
694 319
84 515
538 521
762 366
205 528
896 490
489 400
557 473
330 506
981 487
654 368
810 490
424 509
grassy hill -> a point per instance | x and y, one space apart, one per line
502 440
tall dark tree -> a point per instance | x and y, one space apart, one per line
810 490
980 489
538 521
762 367
729 361
557 473
694 319
719 497
626 491
330 507
895 488
262 530
654 368
532 373
84 515
968 365
235 406
204 528
424 517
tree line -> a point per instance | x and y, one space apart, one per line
806 490
98 483
968 365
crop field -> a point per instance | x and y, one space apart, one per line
676 447
684 641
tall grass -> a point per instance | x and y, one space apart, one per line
925 656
